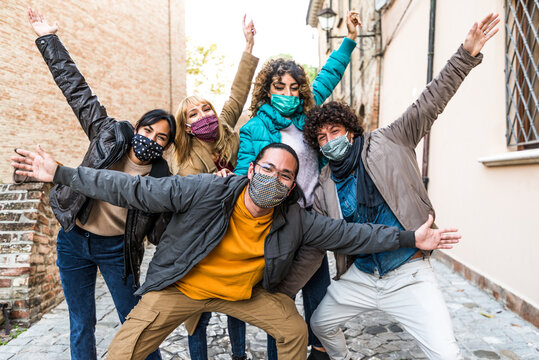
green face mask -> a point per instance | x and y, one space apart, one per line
285 105
337 148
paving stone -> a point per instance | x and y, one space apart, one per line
18 341
485 354
375 330
352 333
509 354
35 356
373 335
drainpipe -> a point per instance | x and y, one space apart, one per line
430 60
5 315
350 66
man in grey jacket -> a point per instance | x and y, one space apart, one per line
374 178
229 244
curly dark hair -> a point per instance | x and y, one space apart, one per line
333 112
276 68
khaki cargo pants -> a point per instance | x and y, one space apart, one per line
158 313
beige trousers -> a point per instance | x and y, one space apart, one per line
158 313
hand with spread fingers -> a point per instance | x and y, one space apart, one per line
40 24
38 165
480 33
249 31
352 23
427 238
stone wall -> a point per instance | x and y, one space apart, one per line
29 278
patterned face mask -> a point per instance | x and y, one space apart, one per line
146 149
267 191
206 128
337 148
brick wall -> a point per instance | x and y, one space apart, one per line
29 278
132 54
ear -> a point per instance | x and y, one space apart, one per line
291 188
251 171
188 130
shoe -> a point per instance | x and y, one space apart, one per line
318 355
244 357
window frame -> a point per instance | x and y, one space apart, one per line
522 73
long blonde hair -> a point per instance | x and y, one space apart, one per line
224 145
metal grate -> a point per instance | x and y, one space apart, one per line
522 72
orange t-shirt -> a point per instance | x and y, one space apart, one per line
236 264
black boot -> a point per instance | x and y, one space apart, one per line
318 355
244 357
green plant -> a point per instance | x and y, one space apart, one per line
204 64
16 331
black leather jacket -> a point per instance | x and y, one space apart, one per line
109 141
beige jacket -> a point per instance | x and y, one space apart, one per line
390 160
200 160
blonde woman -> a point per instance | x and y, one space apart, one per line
207 143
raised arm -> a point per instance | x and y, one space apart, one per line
89 111
332 72
146 193
241 85
417 120
249 148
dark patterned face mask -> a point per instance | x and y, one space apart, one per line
267 191
146 149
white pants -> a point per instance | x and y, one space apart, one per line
409 293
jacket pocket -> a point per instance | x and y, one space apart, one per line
286 305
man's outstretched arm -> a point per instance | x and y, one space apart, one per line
144 193
353 239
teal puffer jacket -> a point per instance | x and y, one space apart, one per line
263 129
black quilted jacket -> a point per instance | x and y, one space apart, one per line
109 141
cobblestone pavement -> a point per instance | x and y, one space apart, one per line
484 330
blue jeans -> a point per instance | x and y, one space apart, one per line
198 345
80 254
313 293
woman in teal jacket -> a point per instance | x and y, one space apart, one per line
267 121
281 97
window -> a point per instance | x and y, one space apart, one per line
522 73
